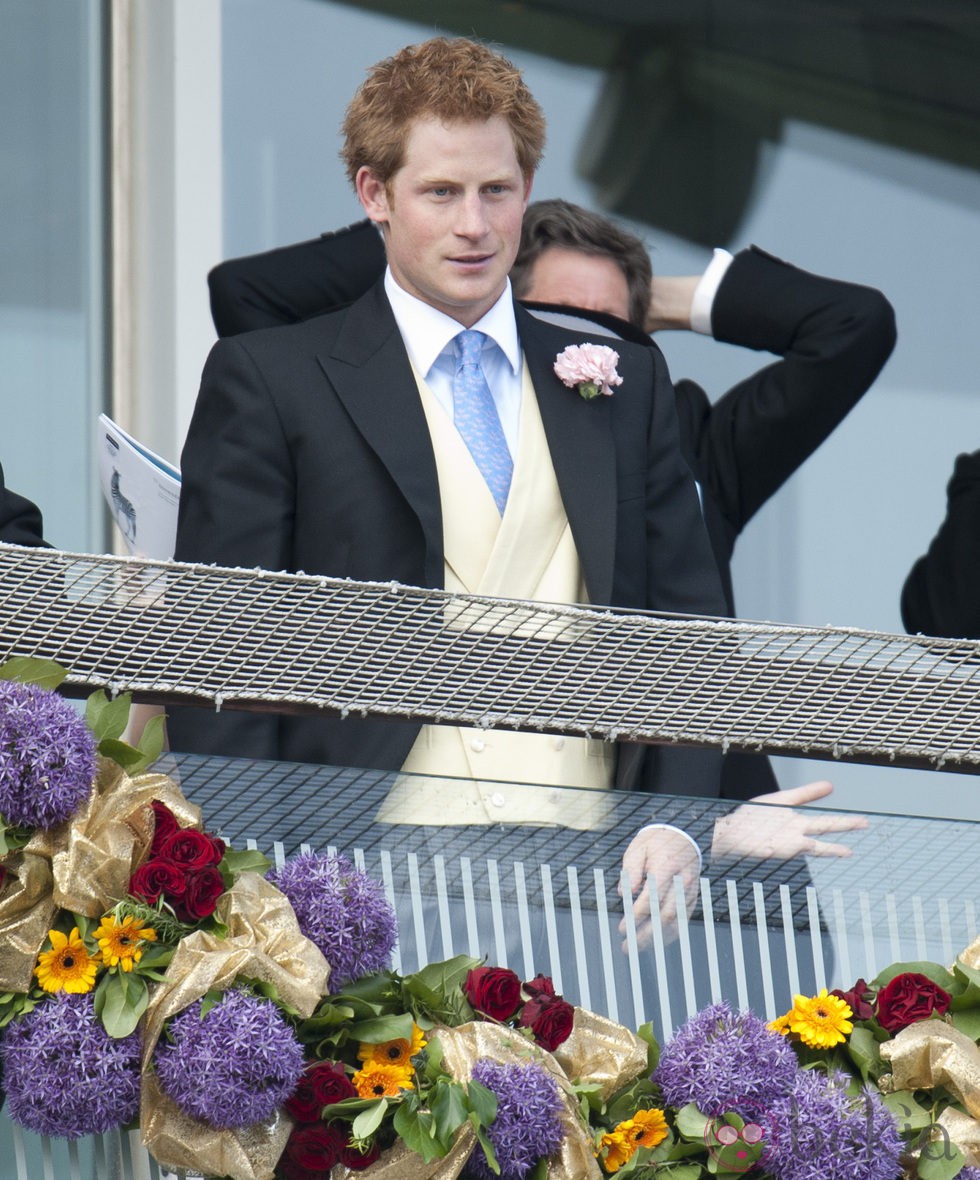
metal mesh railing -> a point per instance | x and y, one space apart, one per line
297 643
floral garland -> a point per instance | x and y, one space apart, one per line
140 955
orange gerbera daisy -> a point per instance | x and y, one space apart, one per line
119 941
649 1127
382 1081
615 1149
820 1021
397 1052
68 966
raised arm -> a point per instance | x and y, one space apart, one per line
832 338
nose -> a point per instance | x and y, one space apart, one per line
471 221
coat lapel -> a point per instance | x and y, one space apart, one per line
583 452
369 369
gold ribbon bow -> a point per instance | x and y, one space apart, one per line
598 1051
263 942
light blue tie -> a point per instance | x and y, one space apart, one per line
476 417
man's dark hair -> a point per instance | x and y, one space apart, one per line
560 223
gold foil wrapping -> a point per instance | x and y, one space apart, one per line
263 942
94 856
83 866
598 1051
933 1053
179 1141
26 912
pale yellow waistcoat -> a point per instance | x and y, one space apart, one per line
527 554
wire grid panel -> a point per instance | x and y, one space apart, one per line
254 639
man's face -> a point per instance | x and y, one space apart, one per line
569 277
452 213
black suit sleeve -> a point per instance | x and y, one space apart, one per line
20 520
833 339
295 282
941 595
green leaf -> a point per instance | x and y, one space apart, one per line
383 1028
33 670
862 1048
449 1107
482 1102
484 1140
909 1114
120 1000
417 1129
967 1022
245 860
107 719
645 1033
368 1121
152 738
127 756
940 1160
691 1123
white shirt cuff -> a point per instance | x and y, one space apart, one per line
704 293
680 831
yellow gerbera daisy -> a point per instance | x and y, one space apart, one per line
649 1127
119 941
398 1052
781 1023
821 1021
382 1081
68 966
616 1149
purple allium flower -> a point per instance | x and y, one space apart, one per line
969 1172
235 1066
527 1126
722 1061
821 1132
64 1075
342 910
47 756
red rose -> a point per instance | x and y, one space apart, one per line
860 999
164 825
192 849
495 991
331 1084
323 1084
312 1149
156 878
540 985
203 888
910 997
356 1160
550 1019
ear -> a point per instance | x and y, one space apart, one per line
372 194
527 191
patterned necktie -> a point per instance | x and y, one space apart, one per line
476 417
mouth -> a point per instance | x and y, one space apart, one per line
470 261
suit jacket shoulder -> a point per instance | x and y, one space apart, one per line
293 283
941 595
20 520
832 338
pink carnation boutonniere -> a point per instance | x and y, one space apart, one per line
589 368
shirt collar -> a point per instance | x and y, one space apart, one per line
427 332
